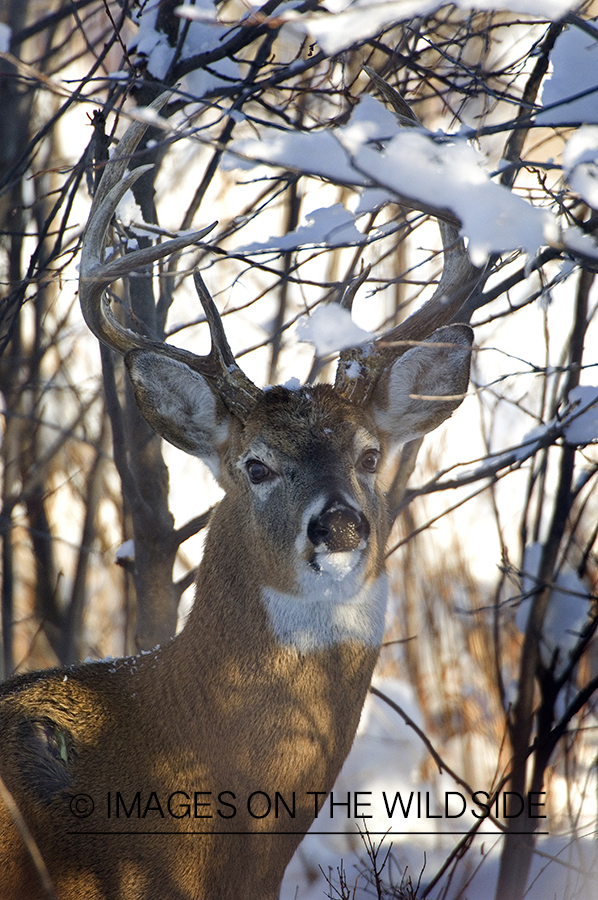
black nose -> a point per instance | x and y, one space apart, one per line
340 527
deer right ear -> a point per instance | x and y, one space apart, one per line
424 386
179 405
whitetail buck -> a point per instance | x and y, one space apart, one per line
257 700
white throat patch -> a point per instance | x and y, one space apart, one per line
322 614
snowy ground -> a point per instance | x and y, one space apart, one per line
387 758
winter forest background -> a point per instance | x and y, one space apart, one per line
280 128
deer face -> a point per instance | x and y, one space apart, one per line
305 467
306 464
302 471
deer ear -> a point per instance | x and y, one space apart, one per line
179 405
424 386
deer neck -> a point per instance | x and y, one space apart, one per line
290 697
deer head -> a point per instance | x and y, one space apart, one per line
306 467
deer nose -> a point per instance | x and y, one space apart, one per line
339 527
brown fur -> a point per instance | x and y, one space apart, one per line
223 707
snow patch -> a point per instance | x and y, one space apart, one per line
567 612
204 33
128 210
119 75
348 22
583 423
574 62
333 226
5 36
330 329
126 552
293 384
580 163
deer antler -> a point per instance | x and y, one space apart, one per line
236 390
360 368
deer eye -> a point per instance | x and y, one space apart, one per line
369 459
257 471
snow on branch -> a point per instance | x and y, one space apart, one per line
411 166
339 24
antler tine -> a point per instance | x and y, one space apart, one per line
346 301
459 277
360 368
238 393
116 166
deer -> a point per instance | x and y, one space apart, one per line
194 770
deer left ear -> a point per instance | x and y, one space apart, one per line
424 386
